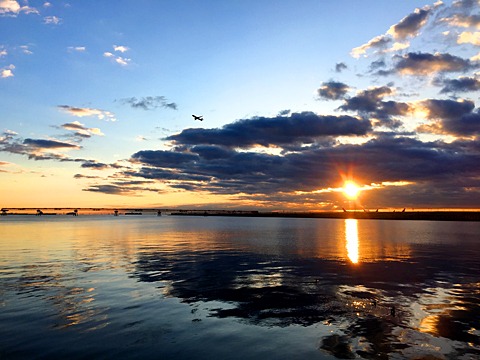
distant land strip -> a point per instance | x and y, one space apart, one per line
431 215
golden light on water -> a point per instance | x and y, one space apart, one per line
351 235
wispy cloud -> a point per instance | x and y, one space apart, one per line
76 48
123 61
52 20
149 103
81 130
83 112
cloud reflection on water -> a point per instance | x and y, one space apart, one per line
353 296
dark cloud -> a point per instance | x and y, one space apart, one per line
80 176
375 65
49 144
305 127
332 90
149 103
447 109
455 117
369 103
94 165
384 159
128 188
339 67
162 158
462 84
423 64
411 24
109 189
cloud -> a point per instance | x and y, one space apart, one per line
221 170
332 90
467 37
462 20
149 103
453 117
423 64
379 42
26 50
370 103
81 130
122 188
13 8
305 127
339 67
410 25
49 144
94 165
77 48
117 59
52 20
7 71
120 48
82 112
462 84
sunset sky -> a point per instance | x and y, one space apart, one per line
97 97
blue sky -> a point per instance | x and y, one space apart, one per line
97 99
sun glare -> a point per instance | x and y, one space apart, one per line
351 190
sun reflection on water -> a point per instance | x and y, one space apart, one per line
351 235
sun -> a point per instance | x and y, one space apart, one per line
351 189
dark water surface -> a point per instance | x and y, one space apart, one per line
238 288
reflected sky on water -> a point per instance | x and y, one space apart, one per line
197 287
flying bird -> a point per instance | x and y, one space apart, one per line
199 118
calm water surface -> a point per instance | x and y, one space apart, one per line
238 288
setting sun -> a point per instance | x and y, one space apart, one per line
351 190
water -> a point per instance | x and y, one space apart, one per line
238 288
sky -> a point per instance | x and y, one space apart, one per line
97 98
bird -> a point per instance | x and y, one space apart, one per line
199 118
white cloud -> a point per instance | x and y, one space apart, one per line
26 50
7 71
13 8
122 61
118 59
3 52
467 37
77 48
52 20
120 48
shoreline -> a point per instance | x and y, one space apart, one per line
430 215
